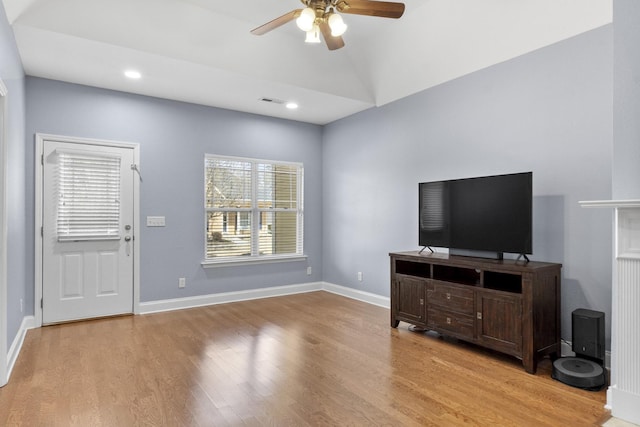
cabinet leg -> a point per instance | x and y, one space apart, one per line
530 366
394 323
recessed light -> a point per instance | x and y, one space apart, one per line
133 74
292 105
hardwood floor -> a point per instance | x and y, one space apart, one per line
307 359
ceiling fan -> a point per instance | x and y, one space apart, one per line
321 16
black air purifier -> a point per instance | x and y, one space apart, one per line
586 369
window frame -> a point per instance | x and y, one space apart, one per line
255 213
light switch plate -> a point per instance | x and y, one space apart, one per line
155 221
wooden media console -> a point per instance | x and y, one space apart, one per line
505 305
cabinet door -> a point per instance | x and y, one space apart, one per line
410 303
499 321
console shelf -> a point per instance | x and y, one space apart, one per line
505 305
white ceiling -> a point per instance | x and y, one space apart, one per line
201 51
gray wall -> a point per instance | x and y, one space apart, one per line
174 138
548 112
12 75
626 96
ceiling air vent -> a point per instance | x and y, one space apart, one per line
272 100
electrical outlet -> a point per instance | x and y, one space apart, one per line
308 271
359 276
182 282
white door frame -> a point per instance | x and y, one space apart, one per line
3 234
39 168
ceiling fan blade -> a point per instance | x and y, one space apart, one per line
384 9
272 25
332 42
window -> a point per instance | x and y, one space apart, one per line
253 209
243 220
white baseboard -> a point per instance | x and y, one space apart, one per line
624 404
367 297
28 322
226 297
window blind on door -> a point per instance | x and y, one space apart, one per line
88 205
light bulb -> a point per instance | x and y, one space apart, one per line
313 35
306 19
337 25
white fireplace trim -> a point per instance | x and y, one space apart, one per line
623 395
610 204
628 235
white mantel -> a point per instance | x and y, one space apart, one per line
623 395
610 204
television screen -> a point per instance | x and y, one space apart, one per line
491 213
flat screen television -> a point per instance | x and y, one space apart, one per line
489 214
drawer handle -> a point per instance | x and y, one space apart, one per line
479 315
421 301
448 320
448 296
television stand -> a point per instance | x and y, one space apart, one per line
421 250
504 305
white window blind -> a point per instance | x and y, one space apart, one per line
277 205
253 208
88 196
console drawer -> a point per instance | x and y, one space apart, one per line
449 322
450 297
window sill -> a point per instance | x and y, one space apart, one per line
225 262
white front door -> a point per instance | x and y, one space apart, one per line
87 233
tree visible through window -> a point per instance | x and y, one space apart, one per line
253 208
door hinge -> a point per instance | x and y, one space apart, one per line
41 306
41 231
42 159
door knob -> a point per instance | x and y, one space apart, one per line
127 238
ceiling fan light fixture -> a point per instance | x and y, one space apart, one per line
306 19
313 35
326 16
337 25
